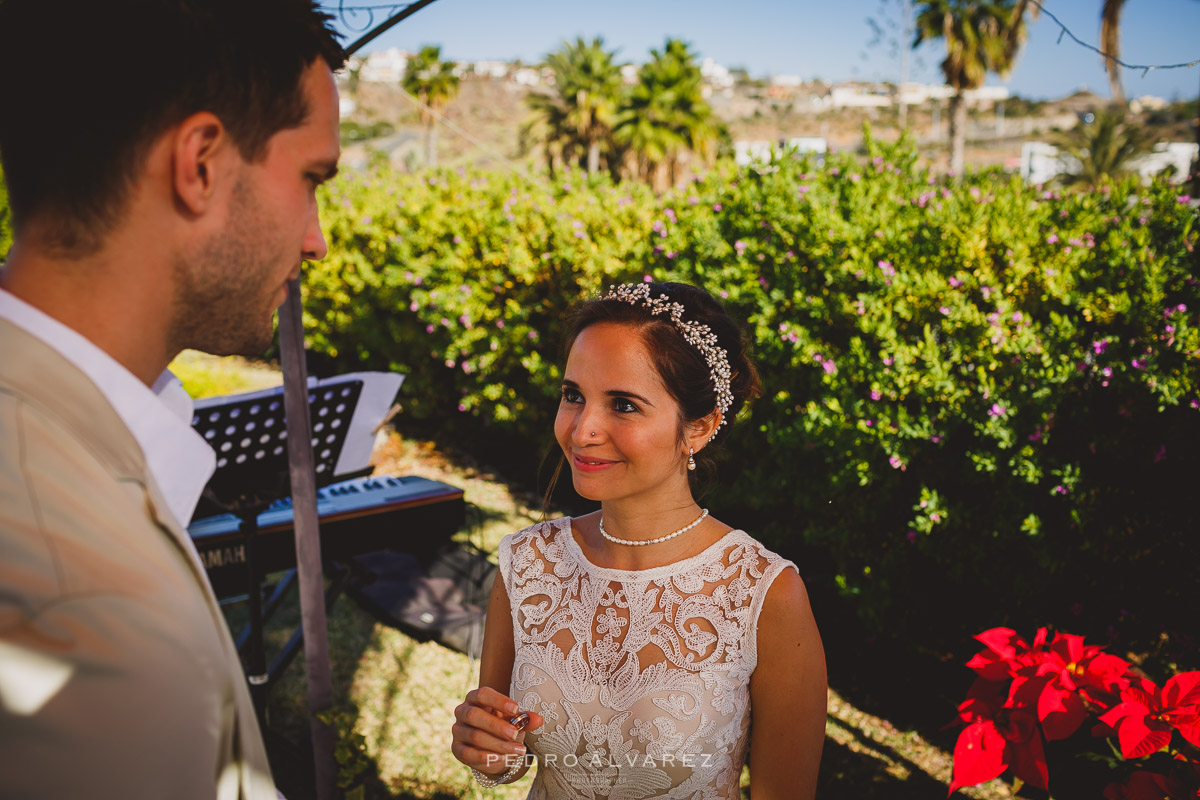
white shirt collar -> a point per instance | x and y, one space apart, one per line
159 418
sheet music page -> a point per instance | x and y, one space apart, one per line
378 392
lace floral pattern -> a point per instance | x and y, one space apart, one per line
643 676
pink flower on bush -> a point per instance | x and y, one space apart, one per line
996 410
875 394
1160 454
1183 199
955 282
1099 347
740 246
717 207
887 268
897 463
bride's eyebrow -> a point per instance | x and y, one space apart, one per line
611 392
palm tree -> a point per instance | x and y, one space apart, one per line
579 113
354 74
981 36
665 114
434 83
1110 43
1105 147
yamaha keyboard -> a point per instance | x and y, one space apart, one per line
363 515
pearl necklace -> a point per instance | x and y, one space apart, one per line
639 542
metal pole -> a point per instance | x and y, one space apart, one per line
302 470
256 657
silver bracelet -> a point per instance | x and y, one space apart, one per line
487 781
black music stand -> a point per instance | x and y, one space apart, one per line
249 433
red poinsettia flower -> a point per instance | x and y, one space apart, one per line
1097 676
1003 647
997 738
1056 680
1144 785
1146 714
1060 710
1180 782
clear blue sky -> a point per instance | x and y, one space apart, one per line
827 39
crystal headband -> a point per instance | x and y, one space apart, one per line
697 334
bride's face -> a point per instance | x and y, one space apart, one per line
616 423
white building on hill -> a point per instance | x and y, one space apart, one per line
495 70
1042 162
385 66
716 75
856 95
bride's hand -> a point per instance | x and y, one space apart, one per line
483 737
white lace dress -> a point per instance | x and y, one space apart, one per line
643 676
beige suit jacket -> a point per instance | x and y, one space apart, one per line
118 675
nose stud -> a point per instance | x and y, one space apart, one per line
593 434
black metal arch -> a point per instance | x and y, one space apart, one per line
361 19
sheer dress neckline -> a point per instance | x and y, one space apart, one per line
649 573
642 676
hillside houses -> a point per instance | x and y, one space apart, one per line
387 67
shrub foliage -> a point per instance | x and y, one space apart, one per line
981 397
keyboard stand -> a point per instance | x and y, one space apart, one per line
248 433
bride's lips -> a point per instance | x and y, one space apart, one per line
591 463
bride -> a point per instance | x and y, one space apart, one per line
647 649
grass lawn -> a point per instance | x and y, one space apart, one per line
399 694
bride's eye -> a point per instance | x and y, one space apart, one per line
570 395
624 406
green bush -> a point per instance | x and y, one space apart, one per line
981 397
352 131
5 220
